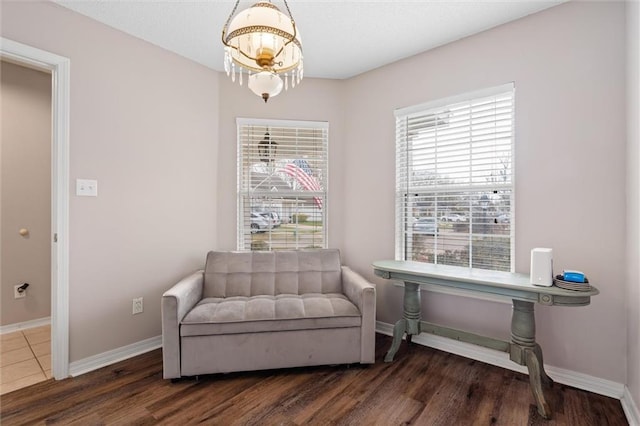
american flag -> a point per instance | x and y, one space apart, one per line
302 173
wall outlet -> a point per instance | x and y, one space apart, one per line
17 294
137 305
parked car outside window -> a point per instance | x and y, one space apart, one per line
425 225
503 218
454 217
259 223
272 218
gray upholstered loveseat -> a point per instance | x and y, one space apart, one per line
265 310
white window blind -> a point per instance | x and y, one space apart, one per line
454 181
282 184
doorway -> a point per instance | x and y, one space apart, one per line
26 226
58 66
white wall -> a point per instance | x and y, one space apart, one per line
568 65
144 123
633 197
25 195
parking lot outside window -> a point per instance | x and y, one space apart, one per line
282 184
455 180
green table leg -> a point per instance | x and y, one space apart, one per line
525 351
546 380
398 331
410 322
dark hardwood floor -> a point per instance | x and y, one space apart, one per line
423 386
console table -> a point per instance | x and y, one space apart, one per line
522 348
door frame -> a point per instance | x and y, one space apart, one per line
59 68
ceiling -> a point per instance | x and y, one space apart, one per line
340 39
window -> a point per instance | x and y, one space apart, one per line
454 181
282 184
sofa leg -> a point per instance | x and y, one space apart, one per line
185 378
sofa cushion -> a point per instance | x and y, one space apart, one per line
229 274
241 314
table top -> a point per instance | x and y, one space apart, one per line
512 284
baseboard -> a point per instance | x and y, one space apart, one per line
10 328
630 408
501 359
104 359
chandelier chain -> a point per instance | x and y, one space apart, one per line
288 11
226 24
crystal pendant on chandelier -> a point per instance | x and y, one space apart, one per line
264 42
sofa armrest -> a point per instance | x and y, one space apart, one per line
176 302
363 294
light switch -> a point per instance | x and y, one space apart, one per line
86 188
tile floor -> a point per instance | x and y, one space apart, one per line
25 358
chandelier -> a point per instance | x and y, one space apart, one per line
263 43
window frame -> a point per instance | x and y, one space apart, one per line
406 167
244 187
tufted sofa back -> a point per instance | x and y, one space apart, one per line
272 273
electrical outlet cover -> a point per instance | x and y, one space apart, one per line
86 187
138 307
17 294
